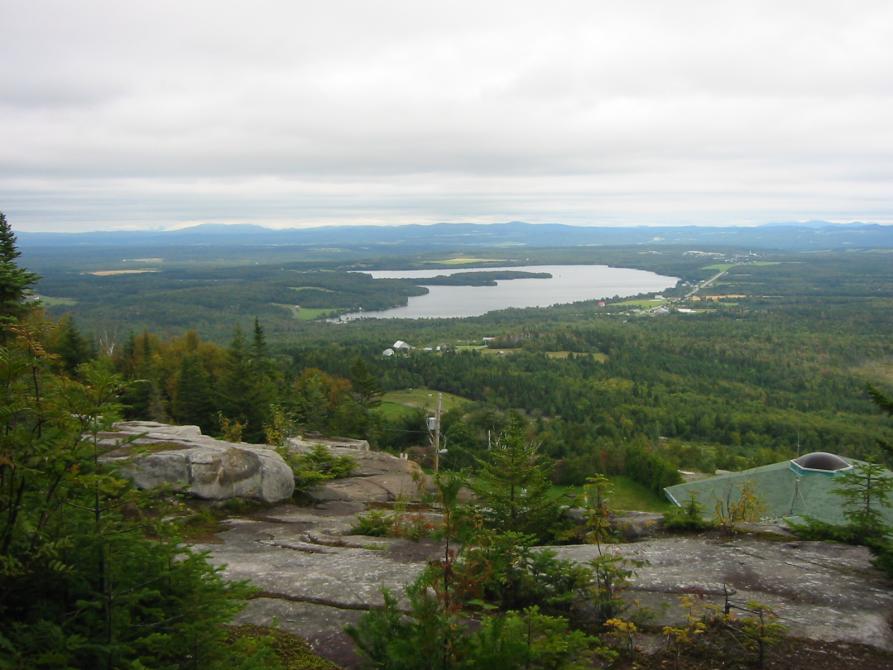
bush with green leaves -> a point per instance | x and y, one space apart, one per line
504 570
374 523
317 466
433 636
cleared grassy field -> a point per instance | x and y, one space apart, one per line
50 301
628 495
464 260
644 302
311 313
393 411
422 398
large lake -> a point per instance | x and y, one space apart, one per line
569 283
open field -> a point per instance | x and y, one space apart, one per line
645 303
112 273
627 495
463 260
393 411
313 313
50 301
308 313
422 398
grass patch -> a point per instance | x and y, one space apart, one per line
309 313
464 260
487 351
642 302
313 313
50 301
422 398
719 267
115 273
628 495
631 495
393 411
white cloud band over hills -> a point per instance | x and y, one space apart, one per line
116 114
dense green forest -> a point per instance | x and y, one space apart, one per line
749 360
769 358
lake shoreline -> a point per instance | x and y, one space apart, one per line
567 284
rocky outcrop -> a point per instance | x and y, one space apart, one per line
309 441
819 590
155 454
315 577
378 477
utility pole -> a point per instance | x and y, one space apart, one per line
437 434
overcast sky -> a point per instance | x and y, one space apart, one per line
124 114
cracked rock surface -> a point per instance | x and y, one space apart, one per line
315 577
819 590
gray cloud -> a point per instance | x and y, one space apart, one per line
116 114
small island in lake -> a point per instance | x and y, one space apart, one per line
481 278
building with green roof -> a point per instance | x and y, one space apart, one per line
801 487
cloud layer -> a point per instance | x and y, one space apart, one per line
117 114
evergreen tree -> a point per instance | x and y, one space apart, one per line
82 584
263 375
513 485
366 388
14 281
864 490
193 400
71 347
247 391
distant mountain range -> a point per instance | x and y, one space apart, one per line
812 235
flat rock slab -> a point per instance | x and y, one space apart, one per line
819 590
315 578
294 565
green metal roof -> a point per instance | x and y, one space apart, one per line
783 490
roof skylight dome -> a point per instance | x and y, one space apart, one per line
822 460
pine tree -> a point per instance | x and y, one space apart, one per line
513 485
193 402
247 390
864 490
14 281
366 388
71 347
